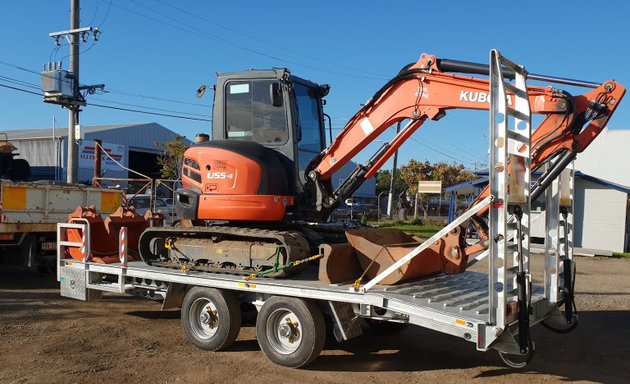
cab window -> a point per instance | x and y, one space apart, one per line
310 125
250 114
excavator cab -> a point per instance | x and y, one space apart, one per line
268 125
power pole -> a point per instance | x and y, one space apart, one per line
391 182
73 110
63 88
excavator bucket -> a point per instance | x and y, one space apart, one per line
104 233
154 219
103 248
126 217
377 249
339 264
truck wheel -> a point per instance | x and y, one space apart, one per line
211 318
290 331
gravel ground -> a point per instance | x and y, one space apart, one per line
45 338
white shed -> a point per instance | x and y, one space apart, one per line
602 214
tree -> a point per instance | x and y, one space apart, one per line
171 160
414 171
383 180
449 174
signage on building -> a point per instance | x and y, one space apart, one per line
117 152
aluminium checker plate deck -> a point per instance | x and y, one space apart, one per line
453 304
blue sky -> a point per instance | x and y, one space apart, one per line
153 50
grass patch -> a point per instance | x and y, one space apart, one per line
621 255
425 231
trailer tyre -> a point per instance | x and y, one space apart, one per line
291 331
211 318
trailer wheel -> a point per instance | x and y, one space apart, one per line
291 331
211 318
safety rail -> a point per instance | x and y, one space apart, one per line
85 247
63 243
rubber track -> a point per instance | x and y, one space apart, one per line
295 244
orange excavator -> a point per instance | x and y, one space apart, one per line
256 196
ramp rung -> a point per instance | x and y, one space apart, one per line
521 139
518 114
517 91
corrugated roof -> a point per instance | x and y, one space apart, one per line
606 183
63 131
137 135
466 184
581 175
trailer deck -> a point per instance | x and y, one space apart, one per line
454 304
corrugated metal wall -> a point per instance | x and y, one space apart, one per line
44 153
39 152
600 216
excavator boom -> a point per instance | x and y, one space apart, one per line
424 91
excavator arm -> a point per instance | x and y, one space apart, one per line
425 90
422 91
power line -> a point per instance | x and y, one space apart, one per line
106 14
156 98
152 108
116 108
109 90
21 90
19 82
204 34
440 152
98 3
264 41
149 113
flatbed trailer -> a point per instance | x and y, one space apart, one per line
492 310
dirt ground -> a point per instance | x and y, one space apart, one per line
45 338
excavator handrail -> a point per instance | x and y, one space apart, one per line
448 65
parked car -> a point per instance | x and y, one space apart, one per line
355 211
142 203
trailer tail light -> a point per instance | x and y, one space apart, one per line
6 236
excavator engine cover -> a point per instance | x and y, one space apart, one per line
233 180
